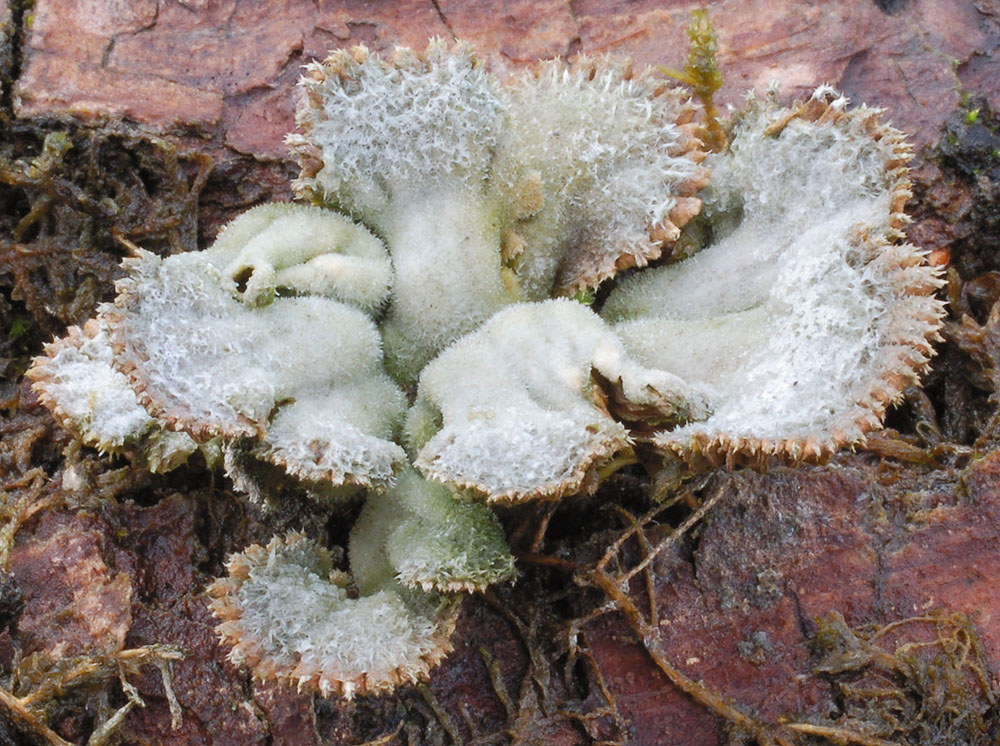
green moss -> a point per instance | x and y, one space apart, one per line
701 72
921 680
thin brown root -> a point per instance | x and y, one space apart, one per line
838 735
650 637
443 718
24 717
615 588
386 738
496 680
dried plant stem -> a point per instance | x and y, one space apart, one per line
647 549
838 735
671 539
496 679
443 718
387 738
615 588
547 511
21 714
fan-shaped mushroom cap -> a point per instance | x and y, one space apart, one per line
287 614
807 316
87 396
301 375
513 411
606 172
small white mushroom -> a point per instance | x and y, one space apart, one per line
514 411
287 614
806 315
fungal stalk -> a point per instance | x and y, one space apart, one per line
408 148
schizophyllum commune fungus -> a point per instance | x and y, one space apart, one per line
409 336
488 195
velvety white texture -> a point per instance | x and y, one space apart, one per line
96 402
408 147
609 157
518 408
302 373
483 191
297 611
283 248
783 314
431 540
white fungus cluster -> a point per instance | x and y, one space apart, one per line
424 357
487 194
529 423
203 360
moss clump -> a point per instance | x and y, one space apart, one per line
701 72
922 680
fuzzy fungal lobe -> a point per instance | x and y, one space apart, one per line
408 147
616 161
75 379
285 249
287 614
315 403
435 542
807 314
530 424
489 194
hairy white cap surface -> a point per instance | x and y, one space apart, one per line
302 374
520 414
289 249
76 380
408 146
287 614
386 130
612 162
488 194
806 316
339 435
